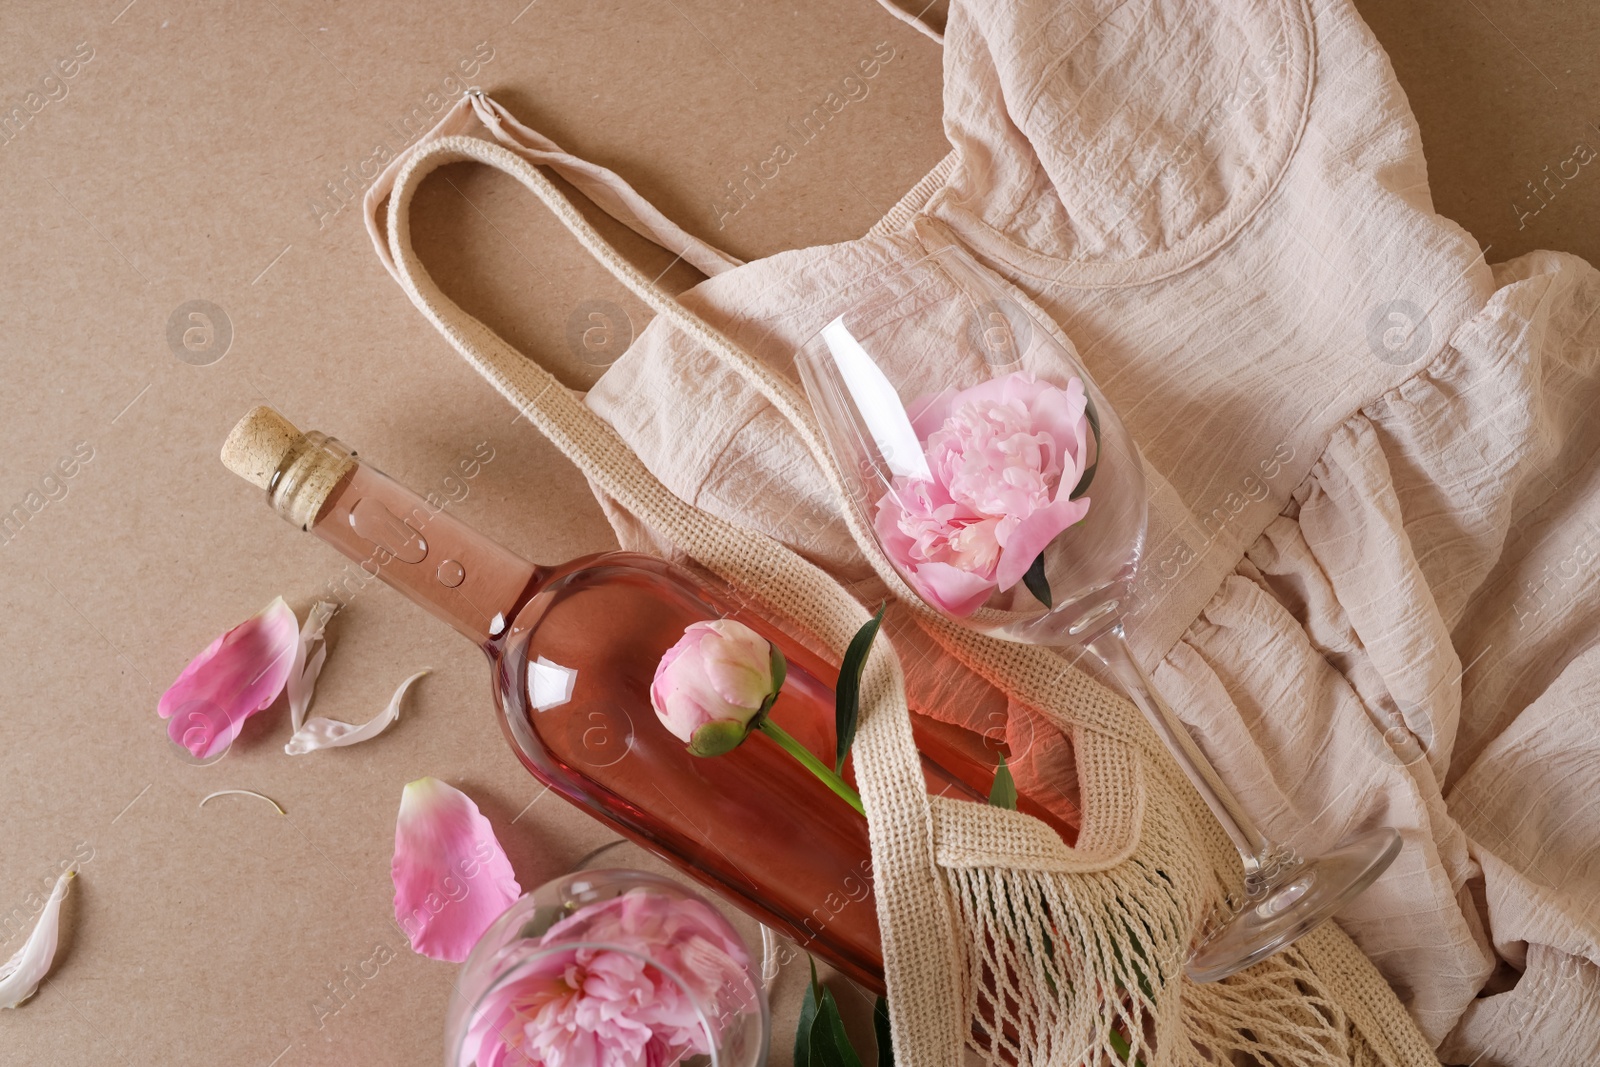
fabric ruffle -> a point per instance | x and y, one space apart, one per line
1412 643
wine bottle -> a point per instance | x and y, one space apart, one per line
573 649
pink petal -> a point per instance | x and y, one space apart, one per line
240 673
451 877
1018 385
951 589
1081 457
1059 414
683 710
886 521
738 662
1032 534
664 687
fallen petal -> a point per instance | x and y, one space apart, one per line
331 733
240 673
22 973
451 877
311 650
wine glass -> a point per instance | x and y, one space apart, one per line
1000 483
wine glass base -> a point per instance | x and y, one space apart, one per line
1299 899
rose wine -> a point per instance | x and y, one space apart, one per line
573 649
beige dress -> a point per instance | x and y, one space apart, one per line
1375 469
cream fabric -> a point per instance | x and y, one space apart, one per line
1370 585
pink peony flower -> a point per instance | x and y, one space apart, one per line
629 994
1005 456
712 683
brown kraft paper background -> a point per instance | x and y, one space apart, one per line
182 240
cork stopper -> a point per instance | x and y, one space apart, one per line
258 446
298 470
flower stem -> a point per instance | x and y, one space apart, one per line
811 763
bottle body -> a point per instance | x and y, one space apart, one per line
573 685
573 650
572 682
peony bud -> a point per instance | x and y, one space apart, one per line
714 683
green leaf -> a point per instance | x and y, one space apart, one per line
880 1028
808 1015
847 694
830 1045
1120 1046
1037 583
1088 472
1003 794
1137 950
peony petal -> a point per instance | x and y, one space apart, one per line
928 413
1032 534
950 589
680 713
1083 460
1059 415
1018 385
451 877
886 521
310 651
738 662
683 696
331 733
240 673
22 973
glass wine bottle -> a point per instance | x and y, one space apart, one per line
573 649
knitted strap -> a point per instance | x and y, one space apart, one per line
604 187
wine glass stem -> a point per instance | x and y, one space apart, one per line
1110 646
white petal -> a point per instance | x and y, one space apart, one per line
22 973
308 657
330 733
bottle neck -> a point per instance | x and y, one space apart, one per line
436 560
